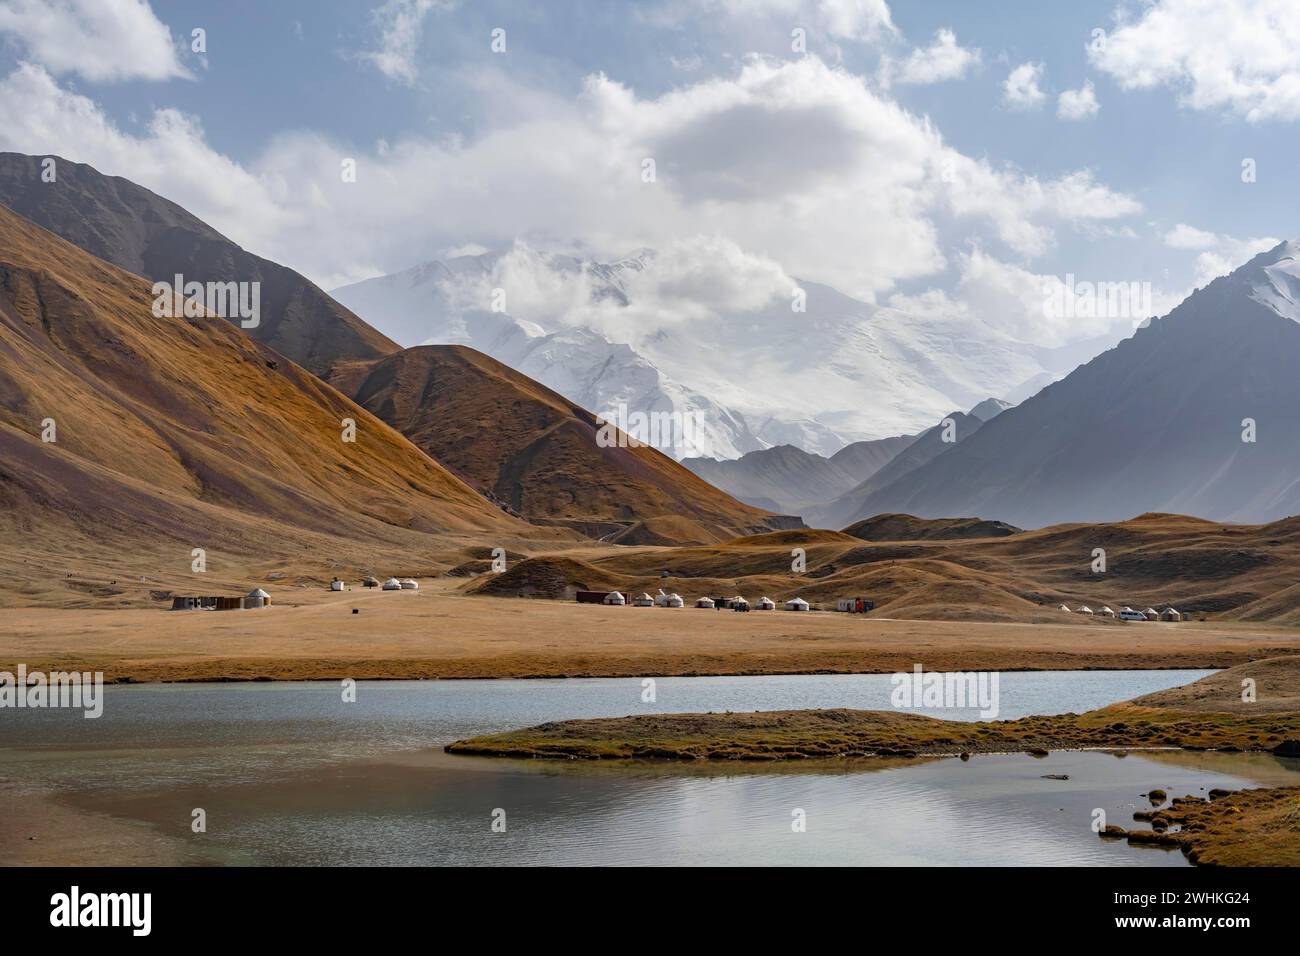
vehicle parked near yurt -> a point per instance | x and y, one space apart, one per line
739 604
855 605
1128 614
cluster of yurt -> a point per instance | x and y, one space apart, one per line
405 584
671 599
1127 613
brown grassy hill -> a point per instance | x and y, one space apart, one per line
141 232
898 527
529 447
546 577
1245 572
183 430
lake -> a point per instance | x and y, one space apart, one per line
288 773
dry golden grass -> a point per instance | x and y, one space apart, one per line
437 632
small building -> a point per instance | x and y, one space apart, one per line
765 604
1151 614
704 602
392 584
409 584
614 597
854 605
797 604
644 600
590 597
257 598
1169 614
336 585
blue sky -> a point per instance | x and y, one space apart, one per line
770 153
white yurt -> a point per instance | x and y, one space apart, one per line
644 600
668 600
765 604
614 597
257 598
1084 610
796 604
1106 611
1169 614
392 584
1151 614
704 602
409 584
1065 608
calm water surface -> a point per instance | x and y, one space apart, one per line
288 773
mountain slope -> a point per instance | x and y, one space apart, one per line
930 444
133 228
1154 424
177 433
538 452
788 479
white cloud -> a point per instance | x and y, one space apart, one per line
856 19
863 210
1183 236
942 60
1077 104
101 40
400 24
1227 254
1242 56
1021 88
